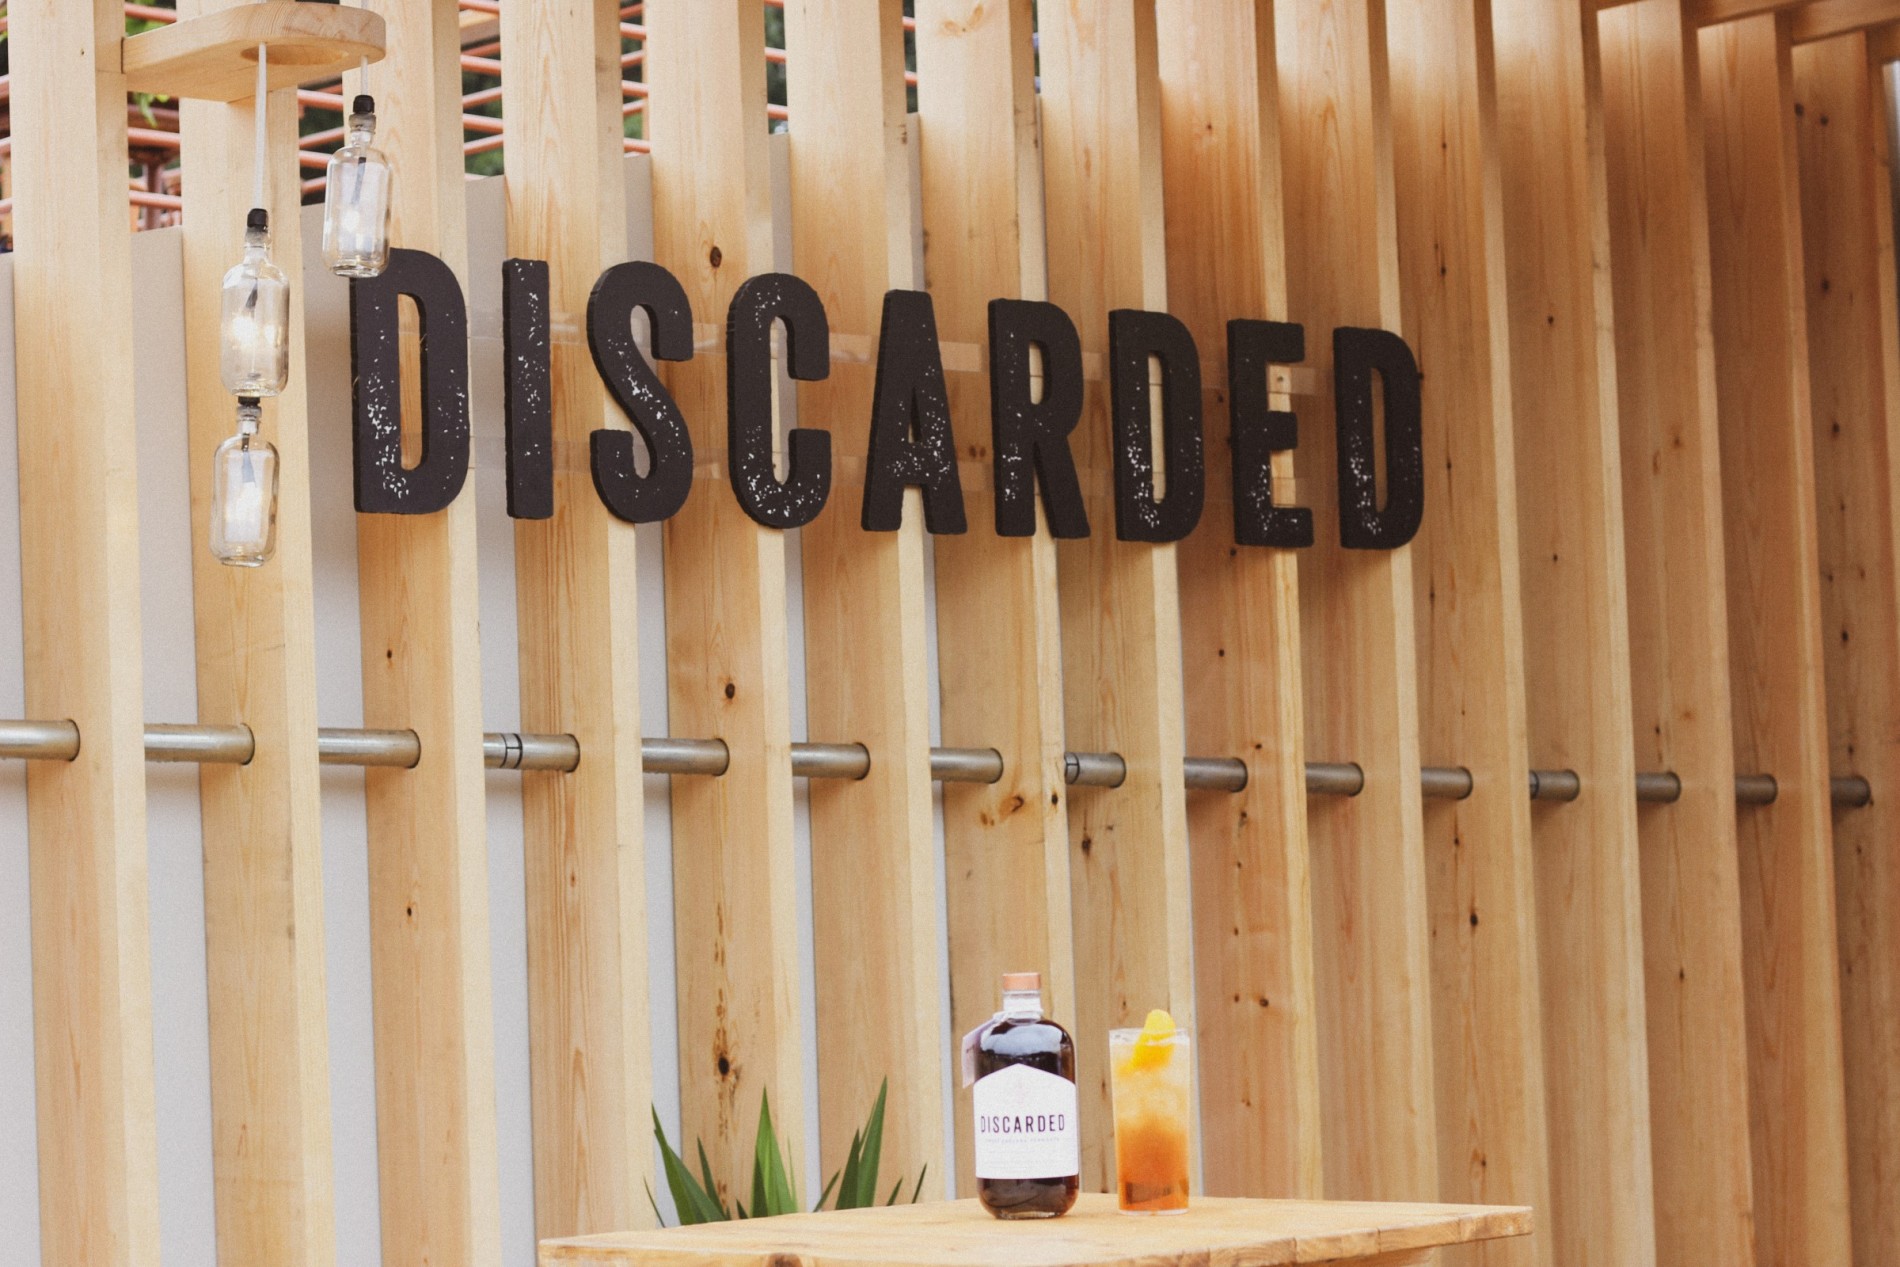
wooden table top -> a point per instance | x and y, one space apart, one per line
1213 1233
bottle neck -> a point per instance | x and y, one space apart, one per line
362 130
1022 1005
256 243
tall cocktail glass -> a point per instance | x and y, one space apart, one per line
1151 1075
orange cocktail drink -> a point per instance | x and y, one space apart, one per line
1151 1074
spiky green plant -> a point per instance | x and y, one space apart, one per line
774 1188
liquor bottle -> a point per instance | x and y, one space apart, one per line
1028 1149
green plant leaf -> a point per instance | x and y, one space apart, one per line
848 1187
657 1216
772 1190
873 1150
895 1189
829 1185
918 1190
693 1202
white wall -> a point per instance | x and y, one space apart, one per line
180 1036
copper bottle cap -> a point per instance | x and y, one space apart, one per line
1022 981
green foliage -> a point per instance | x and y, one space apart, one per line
774 1188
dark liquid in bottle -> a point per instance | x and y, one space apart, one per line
1043 1045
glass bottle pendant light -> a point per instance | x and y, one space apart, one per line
255 317
244 494
356 199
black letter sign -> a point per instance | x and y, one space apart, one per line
1362 525
383 485
910 397
1260 431
760 301
637 390
1031 438
528 411
1133 337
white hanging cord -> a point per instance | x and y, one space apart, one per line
263 96
365 77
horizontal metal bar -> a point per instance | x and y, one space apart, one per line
1215 774
1555 785
203 745
39 740
1452 783
235 745
1094 769
1664 788
830 760
681 756
966 765
390 749
1852 792
1334 778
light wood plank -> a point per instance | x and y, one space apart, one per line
1827 19
422 671
1240 629
270 1086
79 535
866 648
1672 522
1361 688
213 56
1121 622
998 642
1853 333
1788 937
727 658
1263 1233
1883 44
1576 630
1493 1140
589 1049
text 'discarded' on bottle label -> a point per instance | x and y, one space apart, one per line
1026 1125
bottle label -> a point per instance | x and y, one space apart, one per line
1025 1125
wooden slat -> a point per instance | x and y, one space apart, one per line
866 647
1487 1057
728 674
270 1087
999 647
422 671
1854 359
1240 631
1883 44
1789 952
1577 665
575 585
79 532
1370 948
1672 522
1121 623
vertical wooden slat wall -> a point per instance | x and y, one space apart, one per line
1240 630
428 827
79 529
1788 936
866 645
1679 679
1853 330
589 1048
1576 630
1487 1055
728 670
1646 261
1121 626
256 642
1361 691
998 642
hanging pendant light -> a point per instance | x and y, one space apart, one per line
356 196
254 362
244 493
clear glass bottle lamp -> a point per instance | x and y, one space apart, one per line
244 493
356 199
255 317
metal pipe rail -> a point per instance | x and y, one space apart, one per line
401 749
